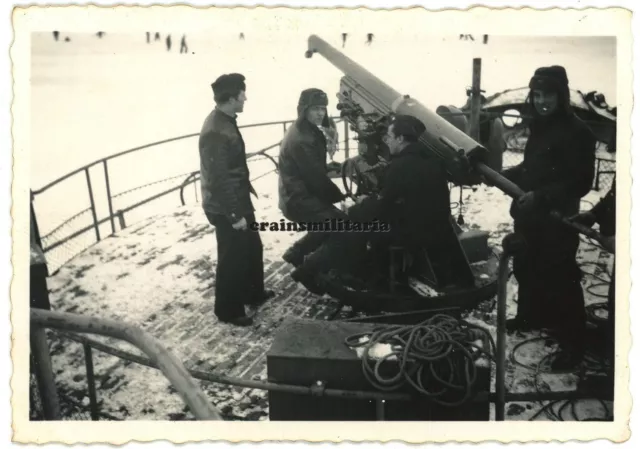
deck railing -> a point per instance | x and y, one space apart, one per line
68 239
169 364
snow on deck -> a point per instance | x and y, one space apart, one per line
159 274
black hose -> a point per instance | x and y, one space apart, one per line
436 358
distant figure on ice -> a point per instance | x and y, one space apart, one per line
183 44
157 38
148 37
67 39
485 38
241 36
466 37
168 42
100 34
56 35
344 39
369 38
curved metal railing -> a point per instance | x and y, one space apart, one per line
169 364
66 234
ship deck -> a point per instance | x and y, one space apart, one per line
159 274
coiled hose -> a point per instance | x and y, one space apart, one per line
436 357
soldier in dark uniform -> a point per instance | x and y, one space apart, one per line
414 205
226 200
306 193
415 198
557 171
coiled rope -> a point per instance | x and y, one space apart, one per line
436 357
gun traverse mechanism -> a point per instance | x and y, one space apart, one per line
441 137
464 158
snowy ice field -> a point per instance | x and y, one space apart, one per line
91 98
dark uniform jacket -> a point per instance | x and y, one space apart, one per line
415 198
558 167
304 188
224 173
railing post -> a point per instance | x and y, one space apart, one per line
106 178
91 382
44 374
93 204
503 277
597 187
120 215
474 119
346 139
284 128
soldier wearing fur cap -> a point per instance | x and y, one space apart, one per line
557 171
306 194
226 199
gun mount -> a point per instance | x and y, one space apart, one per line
459 151
365 170
370 127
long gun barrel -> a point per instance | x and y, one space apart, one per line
463 156
441 137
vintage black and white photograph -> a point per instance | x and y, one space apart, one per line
308 216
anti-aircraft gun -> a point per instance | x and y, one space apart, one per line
465 159
369 105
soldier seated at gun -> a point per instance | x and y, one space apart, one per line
413 204
306 194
